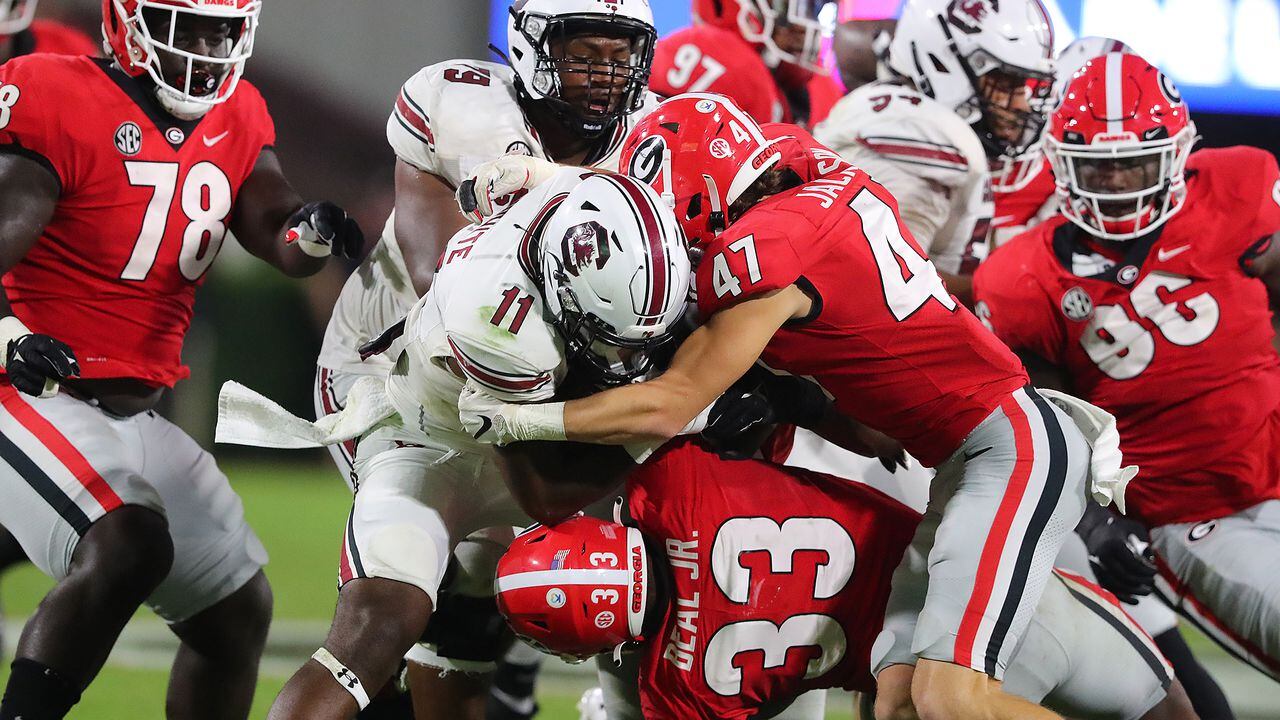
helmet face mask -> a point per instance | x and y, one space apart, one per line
16 16
1119 142
590 69
790 31
1008 105
194 50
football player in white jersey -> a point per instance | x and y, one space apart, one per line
581 280
578 82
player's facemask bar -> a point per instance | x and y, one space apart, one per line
205 79
816 19
1157 169
16 16
595 93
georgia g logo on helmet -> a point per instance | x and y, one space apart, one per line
646 163
583 244
967 15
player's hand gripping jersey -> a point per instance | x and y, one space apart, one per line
144 208
1173 339
930 160
447 119
752 589
915 364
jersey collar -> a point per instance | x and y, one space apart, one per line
1069 239
140 93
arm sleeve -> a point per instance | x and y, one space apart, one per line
507 376
748 262
1016 308
409 127
30 124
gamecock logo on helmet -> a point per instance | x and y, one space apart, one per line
584 244
969 14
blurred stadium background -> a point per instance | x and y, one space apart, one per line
329 72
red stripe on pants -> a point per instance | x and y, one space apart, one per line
989 562
60 446
1205 612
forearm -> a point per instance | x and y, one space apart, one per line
552 481
643 413
959 285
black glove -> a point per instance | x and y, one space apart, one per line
738 423
795 400
322 228
1120 553
33 359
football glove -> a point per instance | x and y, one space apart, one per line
491 184
1120 553
36 363
321 229
737 421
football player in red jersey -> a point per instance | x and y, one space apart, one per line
21 34
903 357
763 54
775 581
1149 294
119 181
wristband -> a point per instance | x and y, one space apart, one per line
534 421
343 674
11 329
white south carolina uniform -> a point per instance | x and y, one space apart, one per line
426 484
447 119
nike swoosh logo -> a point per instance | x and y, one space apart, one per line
520 706
970 456
1172 253
485 424
211 141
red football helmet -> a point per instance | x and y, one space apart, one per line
761 22
576 589
135 45
1119 141
700 152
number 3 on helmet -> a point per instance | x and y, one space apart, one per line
700 152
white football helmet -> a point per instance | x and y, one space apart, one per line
615 275
536 27
16 16
948 47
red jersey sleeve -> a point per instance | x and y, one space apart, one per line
1263 188
31 123
256 112
1014 305
710 59
755 258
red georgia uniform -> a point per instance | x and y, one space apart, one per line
144 207
886 340
780 579
1025 207
1174 340
52 37
705 58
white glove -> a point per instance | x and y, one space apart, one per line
490 184
1107 478
494 422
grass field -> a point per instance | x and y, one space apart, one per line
298 511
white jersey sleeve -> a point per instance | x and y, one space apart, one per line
930 160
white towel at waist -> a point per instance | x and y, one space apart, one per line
1107 478
248 418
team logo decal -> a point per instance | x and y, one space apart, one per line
1127 274
519 147
1201 531
605 620
584 244
1170 90
556 598
175 136
647 160
968 15
706 107
1077 305
128 139
720 148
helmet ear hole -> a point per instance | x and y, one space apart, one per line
695 207
938 64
